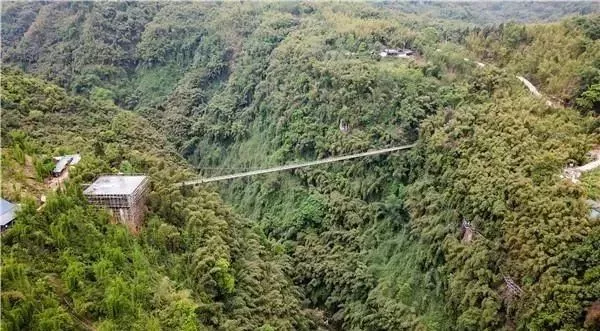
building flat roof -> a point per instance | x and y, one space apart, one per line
115 185
8 211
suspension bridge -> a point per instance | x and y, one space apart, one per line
294 166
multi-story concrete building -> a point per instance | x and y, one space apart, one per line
124 195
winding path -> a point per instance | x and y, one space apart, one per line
535 91
527 83
530 86
573 173
294 166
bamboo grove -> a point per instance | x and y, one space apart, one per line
474 229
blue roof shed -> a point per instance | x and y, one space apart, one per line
8 211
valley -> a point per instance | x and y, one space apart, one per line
299 180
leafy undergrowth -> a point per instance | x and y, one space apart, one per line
591 182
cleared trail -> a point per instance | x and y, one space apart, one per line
527 84
535 91
294 166
530 86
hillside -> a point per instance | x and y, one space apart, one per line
195 265
473 229
561 58
497 12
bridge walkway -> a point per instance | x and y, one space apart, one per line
294 166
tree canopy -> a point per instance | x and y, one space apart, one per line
473 229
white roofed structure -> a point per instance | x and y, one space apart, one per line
62 162
124 195
118 184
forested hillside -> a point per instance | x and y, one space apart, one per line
562 58
497 12
195 265
474 229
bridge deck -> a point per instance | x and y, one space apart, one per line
294 166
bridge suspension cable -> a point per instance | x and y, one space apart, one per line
294 166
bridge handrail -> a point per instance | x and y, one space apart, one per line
294 166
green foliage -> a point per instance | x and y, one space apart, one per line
68 266
484 13
496 165
43 168
590 99
102 96
126 167
591 182
560 58
372 244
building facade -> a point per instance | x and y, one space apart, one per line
123 195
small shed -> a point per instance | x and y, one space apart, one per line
62 162
344 127
8 211
467 231
401 53
123 195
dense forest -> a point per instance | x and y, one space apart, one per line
473 229
195 265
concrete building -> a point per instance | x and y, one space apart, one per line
8 214
124 195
